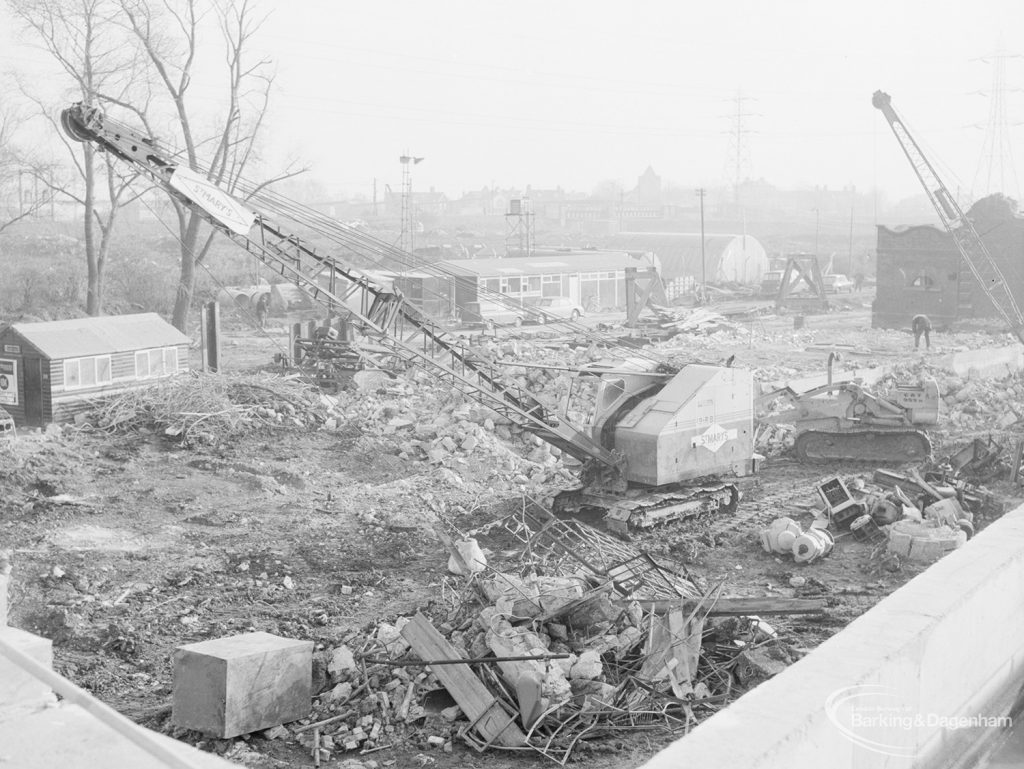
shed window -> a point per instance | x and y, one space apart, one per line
86 372
158 362
103 374
72 373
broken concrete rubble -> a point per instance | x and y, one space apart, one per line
924 541
535 661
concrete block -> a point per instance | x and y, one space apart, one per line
19 691
241 684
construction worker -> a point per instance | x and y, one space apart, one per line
262 305
921 325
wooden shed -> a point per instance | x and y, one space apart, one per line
51 371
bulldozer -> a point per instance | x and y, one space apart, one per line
846 421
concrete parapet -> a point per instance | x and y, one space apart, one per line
70 738
19 691
5 581
916 681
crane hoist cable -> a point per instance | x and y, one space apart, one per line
300 262
376 250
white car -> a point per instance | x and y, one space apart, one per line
549 308
837 284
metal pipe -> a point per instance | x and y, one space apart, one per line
466 661
832 356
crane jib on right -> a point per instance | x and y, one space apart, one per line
968 242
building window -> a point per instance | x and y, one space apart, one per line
86 372
155 363
72 375
922 281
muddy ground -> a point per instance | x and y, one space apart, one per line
128 545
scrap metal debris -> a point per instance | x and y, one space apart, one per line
582 637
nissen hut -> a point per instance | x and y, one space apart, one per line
51 371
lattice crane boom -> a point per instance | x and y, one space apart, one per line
969 243
303 265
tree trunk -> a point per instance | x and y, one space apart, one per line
94 289
187 274
183 298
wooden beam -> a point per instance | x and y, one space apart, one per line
736 607
488 716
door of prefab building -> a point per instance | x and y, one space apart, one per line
33 380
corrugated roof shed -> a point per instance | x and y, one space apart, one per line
96 336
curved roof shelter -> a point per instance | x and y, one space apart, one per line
728 258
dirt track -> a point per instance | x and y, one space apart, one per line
156 545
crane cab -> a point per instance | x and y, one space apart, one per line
669 427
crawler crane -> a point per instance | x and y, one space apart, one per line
657 443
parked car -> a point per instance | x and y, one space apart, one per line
537 309
837 284
553 308
770 283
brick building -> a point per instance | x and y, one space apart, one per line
920 270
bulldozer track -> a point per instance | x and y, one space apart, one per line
878 446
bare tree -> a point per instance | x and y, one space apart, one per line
21 195
101 65
169 32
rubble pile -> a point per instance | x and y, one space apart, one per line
696 321
417 419
202 408
969 404
911 516
545 656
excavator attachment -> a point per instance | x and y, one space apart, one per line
72 125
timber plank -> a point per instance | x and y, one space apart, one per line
489 716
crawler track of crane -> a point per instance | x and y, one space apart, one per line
650 510
863 446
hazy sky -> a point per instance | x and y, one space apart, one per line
575 93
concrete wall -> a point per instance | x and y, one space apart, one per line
990 362
881 693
